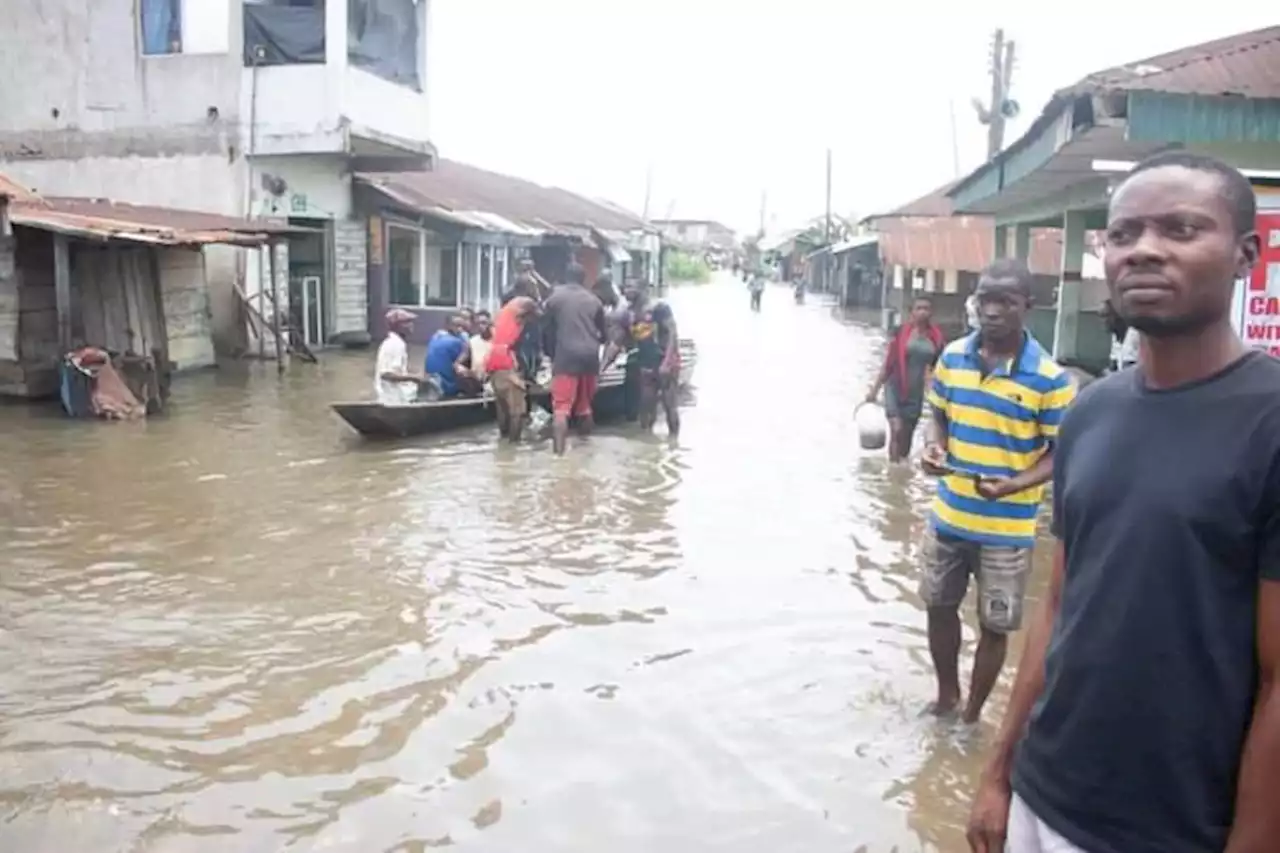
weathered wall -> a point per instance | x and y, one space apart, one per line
184 298
87 91
94 117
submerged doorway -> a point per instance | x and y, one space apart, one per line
309 281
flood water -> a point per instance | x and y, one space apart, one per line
240 628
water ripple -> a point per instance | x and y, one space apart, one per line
236 627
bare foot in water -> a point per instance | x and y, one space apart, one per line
943 706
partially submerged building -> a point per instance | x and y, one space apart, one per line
243 109
453 236
127 279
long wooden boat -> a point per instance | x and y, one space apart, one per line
376 420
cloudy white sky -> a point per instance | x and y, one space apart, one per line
727 100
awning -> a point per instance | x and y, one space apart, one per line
616 253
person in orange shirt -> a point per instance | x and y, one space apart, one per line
510 392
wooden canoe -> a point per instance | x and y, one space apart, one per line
376 420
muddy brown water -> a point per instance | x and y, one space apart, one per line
240 628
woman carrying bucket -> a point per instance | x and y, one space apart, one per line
912 352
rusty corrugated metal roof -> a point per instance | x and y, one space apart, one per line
1246 64
14 191
964 243
936 203
97 219
463 192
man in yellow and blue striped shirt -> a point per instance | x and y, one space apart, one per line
997 398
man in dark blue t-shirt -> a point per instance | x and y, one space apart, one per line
1146 713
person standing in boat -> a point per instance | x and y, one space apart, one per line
394 384
905 374
510 388
574 332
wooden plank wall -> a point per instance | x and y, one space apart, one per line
115 296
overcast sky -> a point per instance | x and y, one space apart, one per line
727 100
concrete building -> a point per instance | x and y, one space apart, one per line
1220 98
235 107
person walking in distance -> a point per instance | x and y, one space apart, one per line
996 400
574 331
1145 717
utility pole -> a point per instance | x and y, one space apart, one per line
826 233
764 205
648 191
1001 106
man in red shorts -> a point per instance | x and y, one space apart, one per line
574 332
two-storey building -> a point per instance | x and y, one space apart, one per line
260 108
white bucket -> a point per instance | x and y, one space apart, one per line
873 427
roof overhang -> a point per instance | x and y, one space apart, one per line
470 220
1049 170
374 151
855 243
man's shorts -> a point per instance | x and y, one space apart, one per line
653 380
510 391
571 394
946 563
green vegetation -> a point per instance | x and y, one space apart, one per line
682 267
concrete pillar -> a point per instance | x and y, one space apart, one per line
1066 329
1022 241
1002 241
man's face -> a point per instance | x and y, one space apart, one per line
1172 254
457 324
483 325
1002 307
921 311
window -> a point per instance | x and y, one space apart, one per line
422 268
383 39
499 273
404 265
486 275
184 26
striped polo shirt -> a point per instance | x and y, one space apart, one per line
998 425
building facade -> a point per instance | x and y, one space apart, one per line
258 109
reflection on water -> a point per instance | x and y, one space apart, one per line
239 628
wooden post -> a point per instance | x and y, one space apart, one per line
62 289
262 308
275 307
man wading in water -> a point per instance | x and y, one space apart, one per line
655 348
1145 717
997 399
510 388
908 363
575 332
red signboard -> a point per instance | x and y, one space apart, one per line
1260 311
